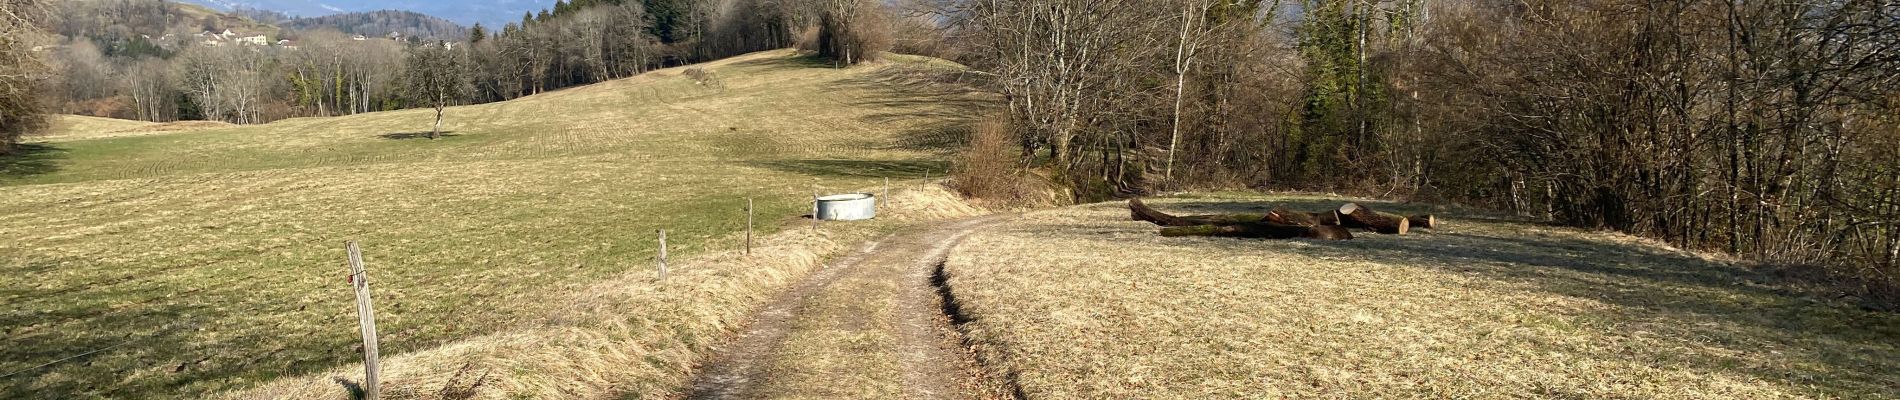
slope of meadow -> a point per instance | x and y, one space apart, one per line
207 260
1084 303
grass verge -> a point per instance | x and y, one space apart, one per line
1083 303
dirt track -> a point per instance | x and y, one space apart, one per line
868 325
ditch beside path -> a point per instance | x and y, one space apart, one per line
870 325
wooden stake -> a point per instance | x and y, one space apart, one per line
662 254
366 320
887 191
748 226
814 209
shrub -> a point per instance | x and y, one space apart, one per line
988 170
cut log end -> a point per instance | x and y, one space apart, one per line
1353 215
1424 221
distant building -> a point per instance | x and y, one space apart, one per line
358 38
258 40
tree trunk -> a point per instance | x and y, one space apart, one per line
1353 215
1141 212
1259 226
1289 217
436 131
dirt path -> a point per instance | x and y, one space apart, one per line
870 325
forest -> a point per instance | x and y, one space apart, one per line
1758 128
1764 129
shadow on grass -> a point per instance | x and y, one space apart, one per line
416 135
806 61
31 159
896 170
355 389
947 97
1666 293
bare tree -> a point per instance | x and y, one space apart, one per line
148 81
1187 45
19 72
853 31
438 76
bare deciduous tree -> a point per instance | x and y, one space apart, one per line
19 71
438 76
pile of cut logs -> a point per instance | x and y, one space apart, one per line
1281 223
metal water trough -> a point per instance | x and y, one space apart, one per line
847 207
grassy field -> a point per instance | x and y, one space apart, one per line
209 260
1083 303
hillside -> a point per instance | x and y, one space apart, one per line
490 12
125 26
66 128
202 261
1084 303
382 23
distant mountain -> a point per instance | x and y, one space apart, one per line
382 23
492 13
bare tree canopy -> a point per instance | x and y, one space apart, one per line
20 69
438 77
1761 128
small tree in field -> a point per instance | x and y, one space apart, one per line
438 76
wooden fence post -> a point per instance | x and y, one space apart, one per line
662 255
814 209
366 320
886 197
748 226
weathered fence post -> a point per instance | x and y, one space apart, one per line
366 320
814 209
748 226
662 254
886 197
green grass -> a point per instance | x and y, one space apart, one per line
1083 303
215 256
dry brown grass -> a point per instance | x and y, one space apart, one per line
66 128
627 337
219 249
1082 303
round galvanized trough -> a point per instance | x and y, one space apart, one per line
847 207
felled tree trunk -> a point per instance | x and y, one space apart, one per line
1426 221
1353 215
1261 230
1141 212
1259 226
1291 217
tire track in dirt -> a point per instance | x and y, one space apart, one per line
923 342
